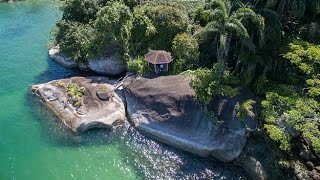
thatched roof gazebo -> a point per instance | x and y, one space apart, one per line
158 60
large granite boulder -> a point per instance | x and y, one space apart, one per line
110 65
107 65
90 110
166 109
55 55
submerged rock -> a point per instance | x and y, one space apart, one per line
55 55
89 111
107 65
166 109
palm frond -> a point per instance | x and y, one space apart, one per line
213 26
238 28
223 5
248 43
212 14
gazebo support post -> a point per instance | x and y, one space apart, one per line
155 67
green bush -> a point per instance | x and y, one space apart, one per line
74 39
142 30
206 84
154 27
306 57
245 109
138 65
75 92
287 116
114 25
82 11
187 51
168 22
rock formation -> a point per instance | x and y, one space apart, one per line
107 65
166 109
111 66
55 55
86 111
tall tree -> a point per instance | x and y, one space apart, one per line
227 22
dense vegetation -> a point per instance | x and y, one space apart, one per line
271 46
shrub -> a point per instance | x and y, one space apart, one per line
82 11
74 39
245 109
187 51
138 65
142 30
155 26
75 92
287 116
206 84
306 57
114 25
168 21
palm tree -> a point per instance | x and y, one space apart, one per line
294 8
227 21
262 58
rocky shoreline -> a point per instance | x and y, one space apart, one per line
156 106
163 108
110 66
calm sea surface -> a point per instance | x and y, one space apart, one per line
33 145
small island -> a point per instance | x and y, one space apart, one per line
212 78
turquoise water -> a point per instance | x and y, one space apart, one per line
33 145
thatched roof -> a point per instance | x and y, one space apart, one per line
158 57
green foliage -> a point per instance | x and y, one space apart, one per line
114 25
306 57
82 11
168 22
312 134
292 8
155 26
286 116
206 84
264 85
187 51
138 65
279 136
75 92
74 39
143 28
226 23
245 109
132 3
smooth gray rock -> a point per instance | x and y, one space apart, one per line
93 113
253 167
314 174
107 65
309 165
166 109
55 55
102 95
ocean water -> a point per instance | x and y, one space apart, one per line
34 145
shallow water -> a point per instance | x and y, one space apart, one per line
34 145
